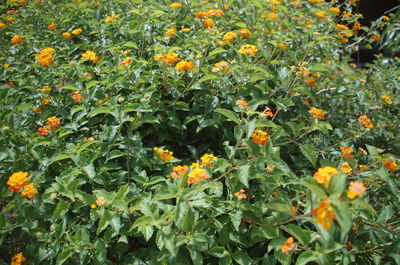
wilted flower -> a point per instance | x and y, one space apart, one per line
355 189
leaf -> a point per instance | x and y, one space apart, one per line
363 204
307 256
320 68
206 78
216 51
89 170
280 207
309 152
302 235
105 221
217 252
337 184
61 209
100 110
64 256
241 257
243 175
312 185
229 114
343 217
262 232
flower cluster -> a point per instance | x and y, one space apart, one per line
208 159
288 245
346 168
45 57
317 113
324 175
324 214
356 189
347 151
178 171
18 259
165 155
197 174
169 58
248 49
365 122
111 18
52 123
18 181
390 165
259 136
90 55
241 194
220 66
184 65
17 39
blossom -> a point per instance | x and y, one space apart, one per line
283 46
362 167
229 36
184 65
214 12
197 175
126 61
310 81
29 191
101 201
52 26
241 102
90 55
77 31
111 18
208 159
376 37
2 25
244 33
201 14
170 32
18 259
288 245
356 27
365 122
355 189
220 66
241 194
346 168
347 151
208 23
259 136
175 5
317 113
17 39
53 123
324 213
271 16
324 175
85 139
10 19
248 49
77 96
390 164
268 112
165 155
46 89
320 14
178 171
387 99
17 181
169 58
335 10
43 131
67 35
45 57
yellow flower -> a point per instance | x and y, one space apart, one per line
324 213
67 35
229 36
2 25
365 122
45 57
164 155
170 32
208 23
386 99
17 181
244 33
220 66
259 136
355 189
29 191
320 14
317 113
77 31
111 18
18 259
175 5
178 171
335 10
184 65
126 61
208 159
324 175
46 89
347 151
52 26
17 39
90 55
197 175
248 49
346 168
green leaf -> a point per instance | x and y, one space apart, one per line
312 185
61 209
89 170
105 221
217 252
320 68
229 114
243 174
280 207
206 78
343 217
262 232
309 152
307 256
302 235
100 110
241 257
363 204
216 51
337 184
64 256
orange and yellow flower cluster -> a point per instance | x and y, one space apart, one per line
164 155
52 123
324 214
259 136
17 182
45 57
324 175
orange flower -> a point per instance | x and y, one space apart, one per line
165 155
346 168
347 151
320 14
241 102
386 99
77 31
17 39
53 122
268 112
175 5
324 213
317 113
168 58
17 181
241 194
229 36
67 35
259 136
248 49
43 131
214 12
271 16
390 164
365 122
52 26
18 259
244 33
376 37
362 167
201 14
288 245
45 57
170 32
184 65
208 159
9 19
335 10
178 171
101 201
310 81
220 66
126 61
356 27
197 175
355 189
208 23
77 96
2 25
29 191
111 18
324 175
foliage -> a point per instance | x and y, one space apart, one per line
151 136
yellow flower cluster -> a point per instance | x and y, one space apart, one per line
18 259
90 55
317 113
324 175
17 39
45 57
324 213
259 136
220 66
365 122
346 168
197 174
165 155
17 181
248 49
111 18
184 65
169 58
208 159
